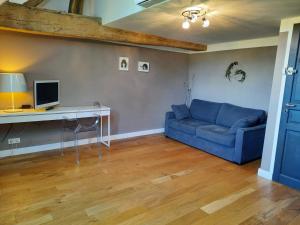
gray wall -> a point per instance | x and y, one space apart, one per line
275 104
210 83
88 71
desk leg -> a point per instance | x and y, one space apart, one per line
108 130
101 128
105 142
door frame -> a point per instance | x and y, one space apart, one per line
288 90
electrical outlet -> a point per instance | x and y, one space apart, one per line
12 141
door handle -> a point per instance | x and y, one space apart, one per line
290 71
290 105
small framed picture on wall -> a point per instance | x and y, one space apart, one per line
123 63
144 67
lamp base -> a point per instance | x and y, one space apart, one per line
13 110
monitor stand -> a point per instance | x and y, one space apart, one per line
50 108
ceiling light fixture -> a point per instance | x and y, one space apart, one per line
186 24
194 18
205 22
192 15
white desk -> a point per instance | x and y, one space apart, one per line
58 113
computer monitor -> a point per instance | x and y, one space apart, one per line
46 93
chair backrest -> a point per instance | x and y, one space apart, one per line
97 104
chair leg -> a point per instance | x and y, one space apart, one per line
99 143
62 139
77 150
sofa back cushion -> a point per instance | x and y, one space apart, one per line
243 123
181 111
229 114
204 110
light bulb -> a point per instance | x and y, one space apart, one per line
205 22
186 24
194 18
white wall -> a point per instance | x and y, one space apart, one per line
275 103
60 5
210 83
243 44
110 10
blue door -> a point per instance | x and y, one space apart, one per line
287 162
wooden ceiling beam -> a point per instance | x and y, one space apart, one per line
24 19
76 6
33 3
2 1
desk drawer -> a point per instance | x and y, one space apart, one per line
86 114
104 113
92 114
50 115
64 115
36 118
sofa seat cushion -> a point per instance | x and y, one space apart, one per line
216 134
186 125
204 110
229 114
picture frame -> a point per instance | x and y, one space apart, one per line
143 67
123 63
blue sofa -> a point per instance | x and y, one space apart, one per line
207 128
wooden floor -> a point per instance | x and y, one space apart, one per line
150 180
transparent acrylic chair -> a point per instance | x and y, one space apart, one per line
75 127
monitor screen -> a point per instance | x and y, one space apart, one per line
46 93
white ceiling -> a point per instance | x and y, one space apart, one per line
231 20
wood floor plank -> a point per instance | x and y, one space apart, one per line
38 221
221 203
235 213
278 213
149 180
295 221
166 178
188 218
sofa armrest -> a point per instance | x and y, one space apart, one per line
169 115
249 143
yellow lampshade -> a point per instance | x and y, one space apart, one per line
12 83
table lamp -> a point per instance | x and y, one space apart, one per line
12 83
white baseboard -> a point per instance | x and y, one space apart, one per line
265 174
137 134
53 146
